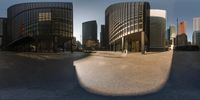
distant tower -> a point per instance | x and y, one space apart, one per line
181 38
182 27
172 34
196 24
196 33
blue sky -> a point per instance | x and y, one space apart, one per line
86 10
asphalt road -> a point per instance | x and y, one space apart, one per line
25 76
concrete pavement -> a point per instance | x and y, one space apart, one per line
118 75
55 77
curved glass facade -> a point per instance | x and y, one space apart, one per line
41 26
124 24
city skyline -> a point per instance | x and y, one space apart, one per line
182 9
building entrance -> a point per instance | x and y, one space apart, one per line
132 42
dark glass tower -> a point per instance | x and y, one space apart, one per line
89 34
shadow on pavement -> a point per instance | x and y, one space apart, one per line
35 74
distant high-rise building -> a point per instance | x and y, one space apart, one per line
196 33
182 40
196 38
172 28
172 35
104 44
196 24
89 34
182 27
157 29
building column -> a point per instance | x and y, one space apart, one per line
122 43
114 46
110 48
142 43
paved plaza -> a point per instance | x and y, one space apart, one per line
119 74
100 76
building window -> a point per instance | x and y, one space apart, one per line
45 16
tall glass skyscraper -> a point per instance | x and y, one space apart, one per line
89 34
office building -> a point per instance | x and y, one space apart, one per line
89 35
157 29
182 40
40 27
182 27
172 36
127 25
196 24
104 42
196 33
196 38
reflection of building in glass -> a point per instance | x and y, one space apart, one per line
3 30
125 23
104 38
89 35
157 29
42 26
196 33
172 36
